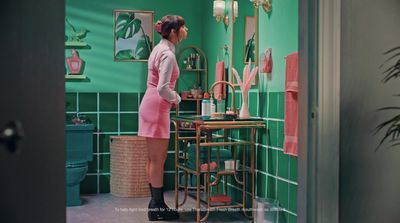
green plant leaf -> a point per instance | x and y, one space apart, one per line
127 25
250 49
124 55
143 48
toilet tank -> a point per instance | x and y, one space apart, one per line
79 143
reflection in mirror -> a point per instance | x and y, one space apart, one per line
243 39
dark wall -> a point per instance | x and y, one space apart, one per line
369 179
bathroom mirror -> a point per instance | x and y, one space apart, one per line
244 25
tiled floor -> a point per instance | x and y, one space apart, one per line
106 208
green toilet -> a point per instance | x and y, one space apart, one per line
79 150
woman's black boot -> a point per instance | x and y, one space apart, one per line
158 210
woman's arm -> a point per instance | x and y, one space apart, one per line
166 66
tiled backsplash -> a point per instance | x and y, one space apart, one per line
117 114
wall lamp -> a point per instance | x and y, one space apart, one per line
265 4
220 11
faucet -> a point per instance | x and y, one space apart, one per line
233 92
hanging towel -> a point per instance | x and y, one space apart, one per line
291 105
219 90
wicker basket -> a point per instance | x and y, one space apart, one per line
128 166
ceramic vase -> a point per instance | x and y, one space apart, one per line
74 63
244 110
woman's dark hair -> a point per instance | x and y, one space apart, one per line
170 22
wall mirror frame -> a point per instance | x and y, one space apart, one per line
232 53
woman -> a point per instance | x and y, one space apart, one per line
154 111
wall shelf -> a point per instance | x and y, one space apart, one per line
202 72
74 77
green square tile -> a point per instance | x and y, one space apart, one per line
87 102
272 161
171 144
263 136
261 158
90 118
95 142
104 143
129 102
89 185
293 198
281 134
129 122
169 181
283 165
273 133
273 105
170 162
108 102
253 105
70 102
238 100
261 183
263 103
104 163
271 187
283 217
292 219
104 184
283 193
92 165
141 96
108 123
293 168
281 105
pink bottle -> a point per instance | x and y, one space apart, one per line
74 63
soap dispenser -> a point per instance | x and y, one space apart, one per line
205 106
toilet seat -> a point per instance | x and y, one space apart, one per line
76 165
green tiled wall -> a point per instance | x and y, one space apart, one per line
117 114
276 172
112 114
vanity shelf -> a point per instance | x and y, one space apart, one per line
205 140
201 73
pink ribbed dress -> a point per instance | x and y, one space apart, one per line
154 110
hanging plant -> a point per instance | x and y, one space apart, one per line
392 125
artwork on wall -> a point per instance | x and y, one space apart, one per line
133 35
249 39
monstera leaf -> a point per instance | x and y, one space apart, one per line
127 25
124 55
143 48
250 49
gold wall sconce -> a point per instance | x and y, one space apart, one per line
265 4
220 11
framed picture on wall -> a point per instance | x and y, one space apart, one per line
249 39
133 35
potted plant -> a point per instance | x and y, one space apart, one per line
391 70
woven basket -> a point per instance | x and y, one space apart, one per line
128 166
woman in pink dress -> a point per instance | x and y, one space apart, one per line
154 111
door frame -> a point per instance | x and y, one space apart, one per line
319 111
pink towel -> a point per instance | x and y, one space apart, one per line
219 90
291 105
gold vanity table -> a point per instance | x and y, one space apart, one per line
205 134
